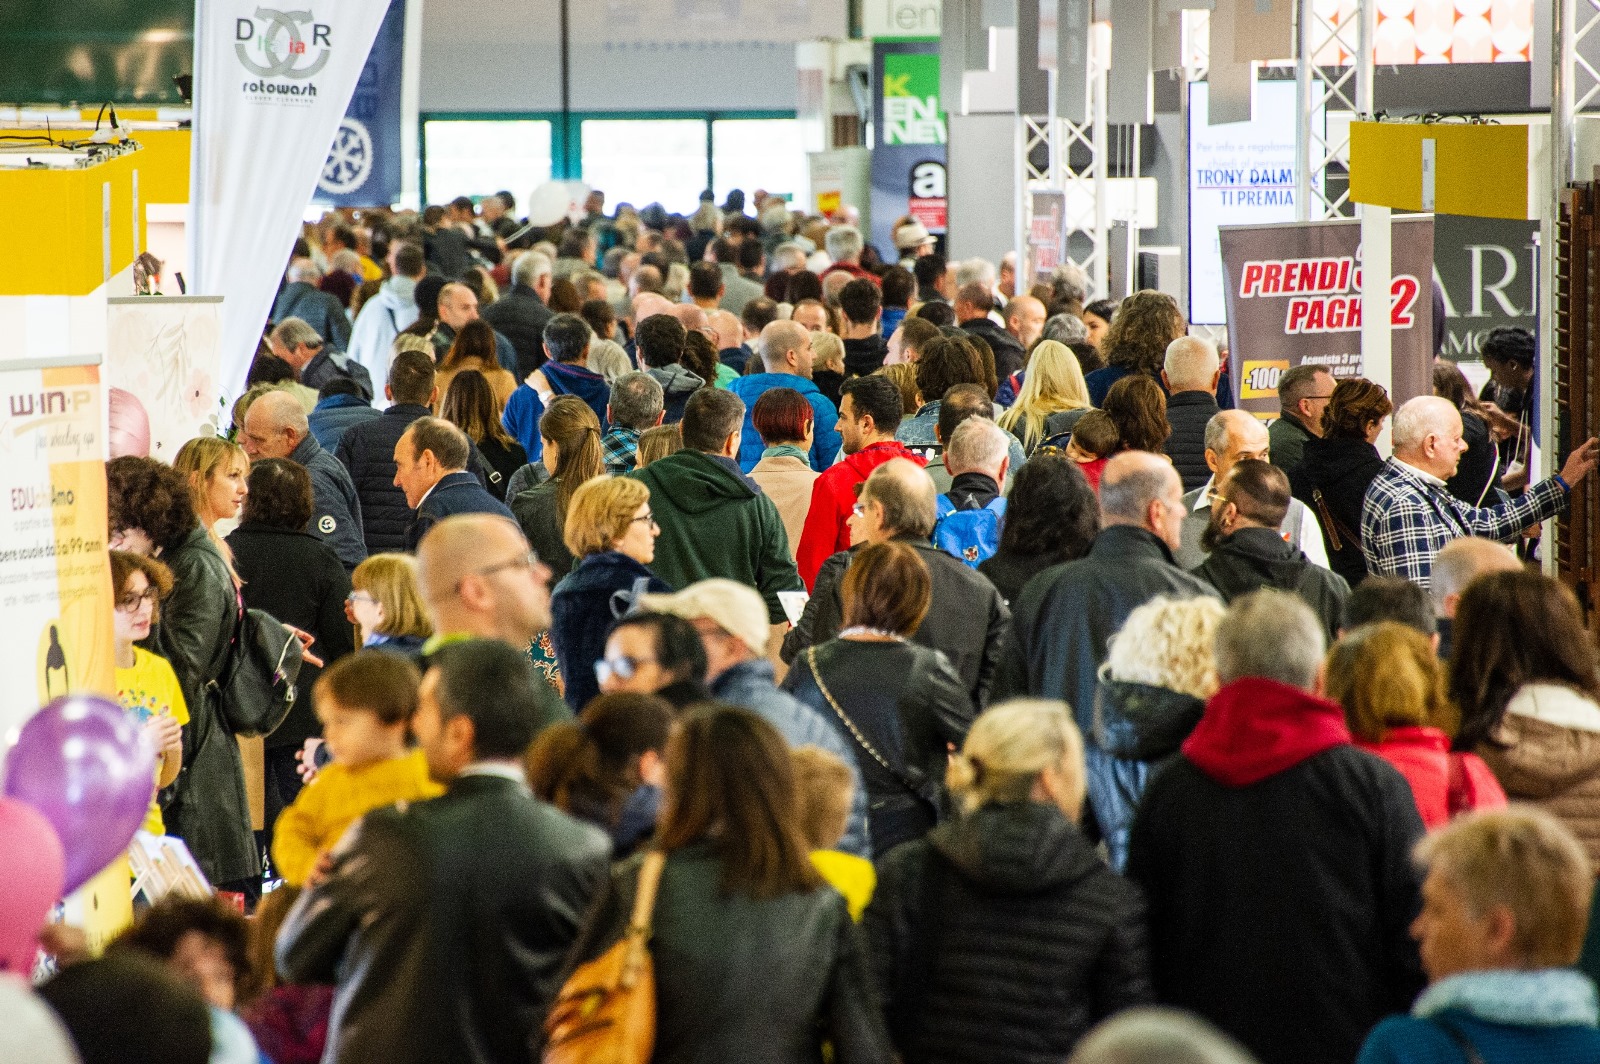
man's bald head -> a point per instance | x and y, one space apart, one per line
907 496
725 323
1025 318
1142 489
274 426
457 305
691 316
471 585
1427 435
1459 563
646 304
781 341
1232 435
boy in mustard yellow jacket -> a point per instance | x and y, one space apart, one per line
826 788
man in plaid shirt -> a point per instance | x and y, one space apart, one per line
1409 514
636 405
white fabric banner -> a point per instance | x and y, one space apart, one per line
270 88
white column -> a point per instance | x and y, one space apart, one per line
1377 363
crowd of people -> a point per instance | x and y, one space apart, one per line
951 670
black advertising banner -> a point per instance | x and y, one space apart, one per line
1294 297
1486 267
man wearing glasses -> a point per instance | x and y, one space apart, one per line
479 580
1303 395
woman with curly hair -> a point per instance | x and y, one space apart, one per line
149 512
1052 515
1154 683
1137 406
1136 342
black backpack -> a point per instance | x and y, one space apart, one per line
256 688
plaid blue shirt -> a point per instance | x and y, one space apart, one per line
620 448
1405 520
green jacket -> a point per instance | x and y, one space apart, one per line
715 523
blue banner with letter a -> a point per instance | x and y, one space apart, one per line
363 167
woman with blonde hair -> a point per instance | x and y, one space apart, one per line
1396 701
904 376
1053 385
570 435
608 527
474 348
218 473
387 604
658 443
1037 940
1158 673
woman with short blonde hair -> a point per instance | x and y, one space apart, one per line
388 605
610 530
1158 673
1011 889
1505 908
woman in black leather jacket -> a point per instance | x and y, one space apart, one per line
1002 937
150 513
755 958
1337 467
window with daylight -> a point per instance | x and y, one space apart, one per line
646 160
470 157
752 153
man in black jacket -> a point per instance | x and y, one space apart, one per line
1190 374
1248 552
1275 856
973 303
367 451
445 923
968 619
521 313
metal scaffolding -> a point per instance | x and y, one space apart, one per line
1333 73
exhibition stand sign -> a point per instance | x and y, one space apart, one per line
364 163
1294 298
270 90
161 372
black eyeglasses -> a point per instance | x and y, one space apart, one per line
529 561
133 600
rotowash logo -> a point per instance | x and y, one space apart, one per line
282 44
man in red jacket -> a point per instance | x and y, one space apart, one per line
869 413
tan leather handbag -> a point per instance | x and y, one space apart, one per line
606 1011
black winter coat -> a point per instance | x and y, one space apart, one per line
1139 730
1188 414
535 510
455 493
299 580
968 620
583 607
367 451
1341 469
1003 938
1279 910
738 979
445 924
206 805
1009 573
504 460
520 315
1009 355
1253 558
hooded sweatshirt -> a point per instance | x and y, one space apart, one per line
1249 559
833 496
1442 782
1254 728
585 384
715 522
1137 729
677 384
1003 936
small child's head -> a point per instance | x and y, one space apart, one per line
138 584
203 941
365 702
1094 436
826 787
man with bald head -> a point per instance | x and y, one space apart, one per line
729 332
1025 318
785 350
1065 615
1409 515
457 307
1459 563
275 426
1231 436
1190 374
967 619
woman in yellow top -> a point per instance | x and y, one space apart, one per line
365 702
146 685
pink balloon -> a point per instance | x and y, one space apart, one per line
83 763
129 423
32 871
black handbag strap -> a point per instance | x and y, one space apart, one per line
850 725
1459 1037
1335 527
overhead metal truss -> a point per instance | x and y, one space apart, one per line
1333 73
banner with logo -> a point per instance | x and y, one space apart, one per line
1294 297
270 89
1486 268
908 160
55 577
363 167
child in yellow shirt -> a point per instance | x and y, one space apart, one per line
146 685
826 786
365 702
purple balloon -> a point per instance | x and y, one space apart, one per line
84 764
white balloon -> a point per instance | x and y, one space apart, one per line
548 204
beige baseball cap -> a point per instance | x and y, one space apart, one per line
912 235
734 607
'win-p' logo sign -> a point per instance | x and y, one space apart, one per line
282 56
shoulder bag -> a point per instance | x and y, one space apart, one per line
256 689
606 1010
